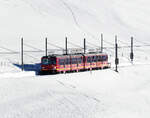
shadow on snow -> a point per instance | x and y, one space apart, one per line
30 67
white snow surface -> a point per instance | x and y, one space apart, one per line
95 94
92 94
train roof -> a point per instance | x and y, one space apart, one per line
77 54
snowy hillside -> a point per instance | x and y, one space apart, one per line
95 94
35 19
102 93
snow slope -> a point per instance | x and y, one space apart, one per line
34 20
94 94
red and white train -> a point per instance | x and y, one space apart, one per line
73 62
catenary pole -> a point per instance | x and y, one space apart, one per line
131 54
66 46
101 42
84 45
22 63
46 46
116 54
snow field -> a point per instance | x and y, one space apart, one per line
102 93
44 98
92 94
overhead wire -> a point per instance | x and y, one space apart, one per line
141 42
32 47
55 45
74 44
31 56
93 44
10 50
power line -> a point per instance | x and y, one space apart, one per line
33 51
93 44
10 51
74 44
32 47
141 42
55 45
31 56
108 42
123 42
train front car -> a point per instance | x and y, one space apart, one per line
48 65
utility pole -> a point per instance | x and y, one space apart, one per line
116 54
46 46
66 47
22 64
84 45
131 54
101 42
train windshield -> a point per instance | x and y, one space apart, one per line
45 61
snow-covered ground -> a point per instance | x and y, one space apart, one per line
95 94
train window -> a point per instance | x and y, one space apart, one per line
79 60
67 61
88 59
97 58
100 58
94 59
74 60
61 61
104 58
52 61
